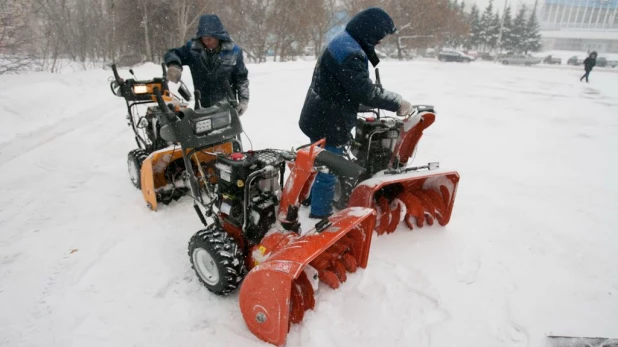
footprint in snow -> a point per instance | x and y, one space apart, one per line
468 268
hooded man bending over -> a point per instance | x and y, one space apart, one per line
340 85
213 58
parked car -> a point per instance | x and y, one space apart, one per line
551 60
429 53
575 60
520 59
603 62
486 56
450 55
474 54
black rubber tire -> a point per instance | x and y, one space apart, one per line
136 157
227 256
343 190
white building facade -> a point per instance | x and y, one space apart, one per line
582 25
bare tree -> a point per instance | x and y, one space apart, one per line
88 31
289 26
144 7
320 16
187 14
14 40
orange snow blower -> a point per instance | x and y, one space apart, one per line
252 230
384 146
156 166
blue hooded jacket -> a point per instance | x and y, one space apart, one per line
341 80
228 63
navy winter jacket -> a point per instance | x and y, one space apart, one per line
589 63
341 80
228 63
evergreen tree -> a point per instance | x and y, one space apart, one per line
533 37
494 31
475 28
486 25
507 41
519 30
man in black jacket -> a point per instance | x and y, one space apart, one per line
340 85
213 58
589 63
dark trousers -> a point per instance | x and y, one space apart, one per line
585 75
323 189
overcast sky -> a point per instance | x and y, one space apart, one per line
500 3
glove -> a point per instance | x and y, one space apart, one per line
173 73
242 107
404 109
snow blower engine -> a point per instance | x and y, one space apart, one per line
249 188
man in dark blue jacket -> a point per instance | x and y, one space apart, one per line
213 58
340 85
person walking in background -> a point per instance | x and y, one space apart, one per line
589 63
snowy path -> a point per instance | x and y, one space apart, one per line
531 248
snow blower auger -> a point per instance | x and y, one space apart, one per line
384 146
157 166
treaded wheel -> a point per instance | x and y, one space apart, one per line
217 260
135 158
343 189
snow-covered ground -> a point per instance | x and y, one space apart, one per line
531 249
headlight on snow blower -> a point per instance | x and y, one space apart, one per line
212 122
140 89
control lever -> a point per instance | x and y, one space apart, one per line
169 116
198 97
230 94
184 91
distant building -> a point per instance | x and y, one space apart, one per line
580 25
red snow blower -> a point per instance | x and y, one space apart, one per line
252 231
384 146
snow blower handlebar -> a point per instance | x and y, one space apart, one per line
142 91
167 116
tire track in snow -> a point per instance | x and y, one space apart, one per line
18 205
102 251
43 308
27 143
